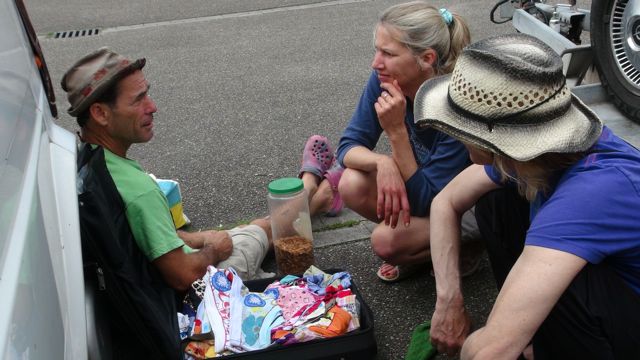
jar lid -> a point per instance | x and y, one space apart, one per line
285 186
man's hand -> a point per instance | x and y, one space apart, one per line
220 242
180 269
392 194
450 326
391 107
194 240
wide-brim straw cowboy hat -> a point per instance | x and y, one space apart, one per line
507 94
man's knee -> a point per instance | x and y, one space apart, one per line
264 223
250 246
600 326
590 289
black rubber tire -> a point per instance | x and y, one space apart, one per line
623 93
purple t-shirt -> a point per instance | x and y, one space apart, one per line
594 209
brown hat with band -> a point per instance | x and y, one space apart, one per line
507 94
90 76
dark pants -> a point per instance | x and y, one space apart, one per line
597 317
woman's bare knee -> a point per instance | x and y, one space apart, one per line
402 245
355 188
383 244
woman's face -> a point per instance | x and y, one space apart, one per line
479 156
394 61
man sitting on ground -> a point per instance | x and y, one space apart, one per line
109 96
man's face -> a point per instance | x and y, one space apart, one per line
131 119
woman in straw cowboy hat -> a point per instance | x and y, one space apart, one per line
413 42
571 285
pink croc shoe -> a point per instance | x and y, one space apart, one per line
317 156
333 175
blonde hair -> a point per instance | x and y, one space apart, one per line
536 175
422 27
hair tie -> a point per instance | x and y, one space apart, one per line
446 16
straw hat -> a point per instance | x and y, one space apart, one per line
507 94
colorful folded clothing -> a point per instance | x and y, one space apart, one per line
260 314
231 319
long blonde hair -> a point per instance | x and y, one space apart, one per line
536 175
422 27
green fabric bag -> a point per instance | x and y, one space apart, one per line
420 347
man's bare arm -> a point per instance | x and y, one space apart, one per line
450 323
180 269
531 290
194 240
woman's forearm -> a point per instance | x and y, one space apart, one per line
402 152
361 158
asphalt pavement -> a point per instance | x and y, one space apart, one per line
240 85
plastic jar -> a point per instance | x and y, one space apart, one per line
290 225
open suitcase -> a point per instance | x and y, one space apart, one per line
357 345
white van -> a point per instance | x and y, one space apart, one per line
41 280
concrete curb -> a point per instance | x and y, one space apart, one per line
341 235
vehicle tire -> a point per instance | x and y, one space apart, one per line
615 39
